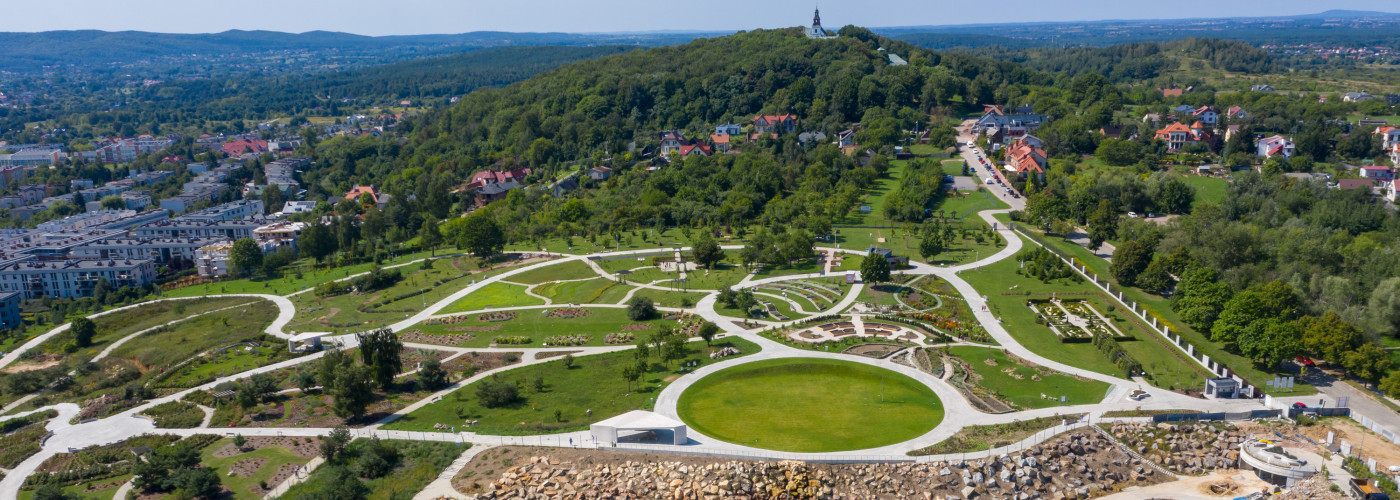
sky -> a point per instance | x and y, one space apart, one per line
404 17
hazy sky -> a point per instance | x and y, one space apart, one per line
380 17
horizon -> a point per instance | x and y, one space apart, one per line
572 18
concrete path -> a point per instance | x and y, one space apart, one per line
305 472
442 486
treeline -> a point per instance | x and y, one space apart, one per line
1132 62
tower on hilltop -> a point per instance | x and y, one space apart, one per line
816 31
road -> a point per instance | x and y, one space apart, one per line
986 167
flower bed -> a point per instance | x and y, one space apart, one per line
473 328
619 338
512 340
565 340
567 313
420 337
497 316
636 327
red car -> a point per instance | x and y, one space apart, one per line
1303 360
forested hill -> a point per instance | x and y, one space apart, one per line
1132 61
439 77
605 103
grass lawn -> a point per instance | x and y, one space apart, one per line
804 266
416 465
113 327
985 437
187 339
1161 308
367 310
1020 387
810 405
494 295
875 199
289 282
236 360
569 270
721 277
242 487
629 262
592 383
671 298
772 294
953 167
1208 189
629 241
594 291
534 324
109 487
1167 369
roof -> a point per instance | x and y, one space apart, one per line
775 118
1355 183
640 419
355 192
719 139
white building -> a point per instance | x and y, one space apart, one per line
73 278
1275 145
816 32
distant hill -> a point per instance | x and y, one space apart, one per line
89 47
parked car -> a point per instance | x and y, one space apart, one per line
1132 215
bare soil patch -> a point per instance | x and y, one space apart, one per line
247 467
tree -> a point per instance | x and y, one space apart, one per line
113 202
430 374
1367 362
1329 337
245 256
494 392
317 241
305 380
673 349
339 484
1271 341
1129 260
246 396
1242 310
334 443
83 331
352 391
641 309
239 441
380 350
932 245
568 361
1200 296
429 235
52 492
1119 153
874 269
175 468
708 331
1103 224
1155 278
480 235
1390 385
706 250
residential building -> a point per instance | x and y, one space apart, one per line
1153 118
239 147
1392 191
1353 183
241 209
104 219
1112 131
9 310
1184 109
599 173
564 187
358 192
80 184
278 234
1236 113
32 158
1390 136
495 191
775 124
1263 87
1275 145
1026 158
721 142
176 228
124 150
183 202
1377 173
1357 97
994 117
296 207
671 141
696 150
1207 115
212 259
808 139
163 251
729 129
1172 91
73 278
485 177
1178 135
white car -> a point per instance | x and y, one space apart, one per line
1132 215
971 144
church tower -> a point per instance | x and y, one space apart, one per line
817 31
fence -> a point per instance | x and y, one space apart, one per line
1218 416
1376 427
1151 321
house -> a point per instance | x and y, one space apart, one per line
1178 135
239 147
485 177
721 142
1172 91
495 191
810 138
1390 136
1033 141
1236 113
1350 184
296 207
72 278
1026 158
1275 145
1231 130
671 141
1013 125
1392 99
1263 87
1207 115
1357 97
775 124
1184 108
1152 118
357 192
890 257
564 187
696 150
729 129
1378 173
846 138
599 173
1391 190
1112 131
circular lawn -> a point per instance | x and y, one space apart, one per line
810 405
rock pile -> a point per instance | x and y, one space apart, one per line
1183 449
1074 466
